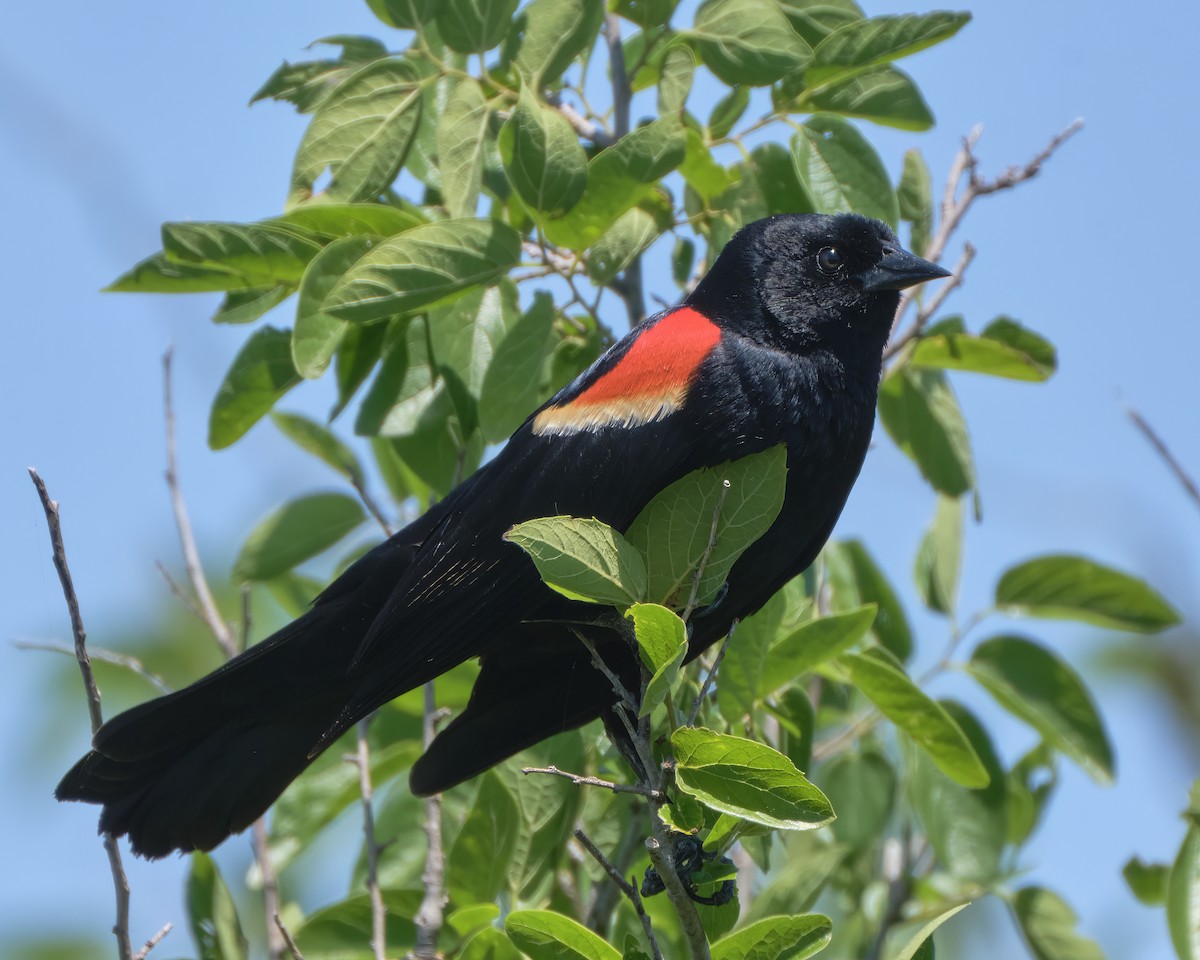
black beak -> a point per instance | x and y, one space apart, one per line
899 269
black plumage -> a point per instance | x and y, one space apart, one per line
780 343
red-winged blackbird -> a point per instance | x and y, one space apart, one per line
781 342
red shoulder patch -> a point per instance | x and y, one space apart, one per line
646 384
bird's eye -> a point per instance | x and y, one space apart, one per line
829 260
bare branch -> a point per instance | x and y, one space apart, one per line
585 781
585 128
955 204
712 675
362 760
664 864
597 661
187 542
1189 484
59 553
276 943
629 889
429 918
287 939
99 653
154 941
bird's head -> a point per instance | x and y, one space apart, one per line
803 281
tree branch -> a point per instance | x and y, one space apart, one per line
712 674
187 542
429 918
154 941
362 760
933 305
132 664
59 553
955 204
629 889
287 939
584 781
1164 452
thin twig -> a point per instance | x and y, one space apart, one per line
583 127
59 552
584 781
372 507
429 918
191 556
1189 484
287 939
895 870
712 675
132 664
629 889
934 304
661 856
179 593
956 204
618 687
362 760
270 887
604 896
709 547
154 941
632 289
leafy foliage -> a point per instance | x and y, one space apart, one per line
459 220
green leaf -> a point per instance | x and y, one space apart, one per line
1032 345
509 391
542 156
211 912
662 641
620 177
647 13
776 938
855 580
674 530
295 532
813 643
966 828
246 306
489 944
1183 897
261 254
408 396
939 558
962 351
466 334
746 779
260 374
915 195
307 83
473 26
923 719
361 133
555 32
635 230
546 935
583 559
919 946
322 444
867 43
1075 588
920 412
468 919
402 14
700 170
1035 685
773 169
317 334
862 789
841 171
321 793
1048 925
461 140
741 686
294 592
477 867
158 274
748 42
357 354
342 931
683 256
427 265
332 221
1147 881
678 71
884 95
727 112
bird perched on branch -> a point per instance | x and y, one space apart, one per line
780 343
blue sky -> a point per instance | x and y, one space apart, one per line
113 123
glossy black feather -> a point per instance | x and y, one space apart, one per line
797 362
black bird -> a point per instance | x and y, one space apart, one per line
781 342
